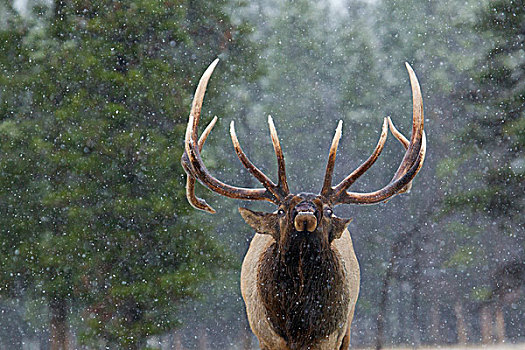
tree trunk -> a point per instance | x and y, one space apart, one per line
435 323
203 339
401 242
383 302
500 324
58 324
177 341
416 288
461 325
486 325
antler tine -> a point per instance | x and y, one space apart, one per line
195 201
327 183
206 132
399 136
417 126
283 184
193 164
198 98
258 174
356 174
404 141
412 160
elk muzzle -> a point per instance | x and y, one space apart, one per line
305 218
305 222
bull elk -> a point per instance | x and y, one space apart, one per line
300 277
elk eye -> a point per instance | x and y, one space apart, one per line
280 212
328 212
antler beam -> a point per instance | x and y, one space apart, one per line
409 167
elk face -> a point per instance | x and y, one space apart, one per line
302 217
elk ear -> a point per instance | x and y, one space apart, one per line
263 223
338 227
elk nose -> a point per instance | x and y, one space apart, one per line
305 221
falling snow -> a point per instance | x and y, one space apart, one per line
99 246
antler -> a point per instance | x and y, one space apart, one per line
281 189
409 167
275 193
196 170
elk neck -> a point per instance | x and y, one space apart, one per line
301 281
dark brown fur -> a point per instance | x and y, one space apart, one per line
303 289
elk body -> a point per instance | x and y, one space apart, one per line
300 277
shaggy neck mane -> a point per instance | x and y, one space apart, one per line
302 288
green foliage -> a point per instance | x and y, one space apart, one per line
463 257
481 294
461 230
497 117
485 182
94 97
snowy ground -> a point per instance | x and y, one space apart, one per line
469 347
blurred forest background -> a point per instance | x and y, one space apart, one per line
98 245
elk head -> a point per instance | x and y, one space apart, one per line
303 214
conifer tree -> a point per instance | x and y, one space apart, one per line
93 110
